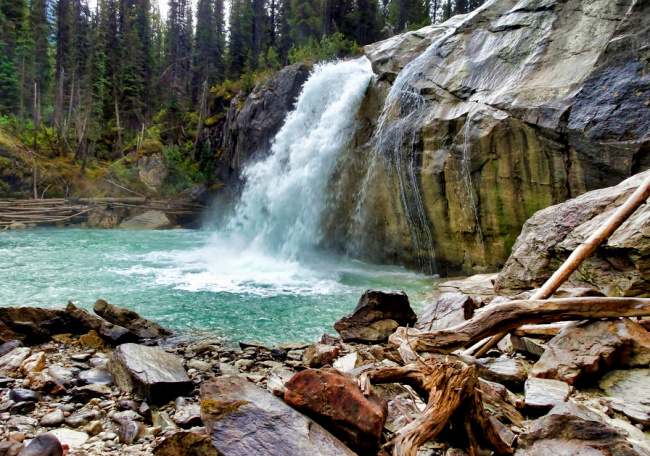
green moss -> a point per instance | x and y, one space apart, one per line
213 120
151 146
220 410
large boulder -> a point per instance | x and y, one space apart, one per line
619 267
10 362
376 317
150 220
143 328
150 372
629 393
244 419
335 401
587 347
151 165
572 429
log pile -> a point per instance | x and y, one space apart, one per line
53 210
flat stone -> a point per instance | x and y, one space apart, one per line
450 309
149 372
22 408
630 390
8 346
188 416
11 448
478 284
21 394
81 417
348 362
511 372
150 220
376 317
126 318
74 439
53 419
543 394
335 401
95 375
61 374
11 362
244 419
199 365
586 347
127 415
527 345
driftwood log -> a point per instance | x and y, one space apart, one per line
505 317
450 390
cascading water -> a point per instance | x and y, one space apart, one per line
285 194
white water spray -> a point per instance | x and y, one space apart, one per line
285 194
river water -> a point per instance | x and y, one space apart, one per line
259 276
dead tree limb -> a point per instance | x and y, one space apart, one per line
505 317
450 389
583 251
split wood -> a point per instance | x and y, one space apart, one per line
450 390
636 200
502 318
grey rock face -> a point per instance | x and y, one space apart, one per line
95 375
376 317
150 372
543 394
242 418
10 362
511 372
630 392
150 220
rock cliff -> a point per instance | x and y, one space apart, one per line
475 124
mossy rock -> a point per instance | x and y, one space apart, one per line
211 121
150 147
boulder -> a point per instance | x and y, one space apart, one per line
186 443
151 168
620 267
335 401
150 220
543 394
113 334
376 317
152 373
131 431
511 372
42 381
318 355
630 393
92 340
242 418
572 429
43 445
586 347
34 363
11 362
130 320
450 309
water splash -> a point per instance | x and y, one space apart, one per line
284 196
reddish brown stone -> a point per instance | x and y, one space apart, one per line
335 401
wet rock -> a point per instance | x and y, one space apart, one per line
586 347
11 362
81 417
511 372
150 220
113 334
24 395
630 393
150 372
131 431
53 419
543 394
278 353
188 416
241 418
34 363
348 362
92 340
335 401
318 355
376 317
143 328
450 309
186 443
571 429
95 375
43 445
10 448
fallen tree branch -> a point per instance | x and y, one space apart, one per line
505 317
450 389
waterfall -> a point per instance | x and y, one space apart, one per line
284 194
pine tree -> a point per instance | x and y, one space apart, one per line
305 20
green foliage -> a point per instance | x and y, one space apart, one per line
172 156
329 48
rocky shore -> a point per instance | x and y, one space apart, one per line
82 384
